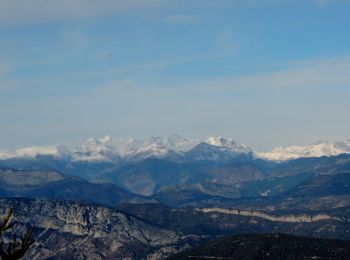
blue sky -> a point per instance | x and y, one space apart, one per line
265 73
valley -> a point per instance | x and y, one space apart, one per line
174 129
151 205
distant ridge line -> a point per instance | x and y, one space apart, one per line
287 218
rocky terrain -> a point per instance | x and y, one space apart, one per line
79 231
220 221
284 218
153 206
52 184
269 246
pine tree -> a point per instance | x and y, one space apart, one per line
15 249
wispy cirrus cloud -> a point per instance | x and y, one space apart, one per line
24 12
175 61
19 12
4 69
183 19
328 74
259 3
223 45
331 74
324 3
293 96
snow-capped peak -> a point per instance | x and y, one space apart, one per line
31 152
217 141
108 149
228 143
105 139
318 149
180 144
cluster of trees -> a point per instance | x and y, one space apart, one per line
13 248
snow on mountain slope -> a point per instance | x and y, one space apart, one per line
108 149
160 147
91 150
31 152
230 144
321 148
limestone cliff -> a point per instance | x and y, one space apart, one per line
69 229
286 218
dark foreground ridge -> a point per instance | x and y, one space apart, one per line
73 230
268 246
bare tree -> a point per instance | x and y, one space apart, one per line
15 249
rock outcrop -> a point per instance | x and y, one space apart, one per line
81 231
286 218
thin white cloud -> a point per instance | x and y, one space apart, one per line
18 11
134 107
29 11
324 3
4 69
5 82
267 3
314 74
304 74
223 46
183 19
164 64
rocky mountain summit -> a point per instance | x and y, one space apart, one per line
117 150
318 149
108 149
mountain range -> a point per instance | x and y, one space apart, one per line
174 148
51 184
122 198
175 165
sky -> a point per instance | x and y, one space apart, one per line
264 72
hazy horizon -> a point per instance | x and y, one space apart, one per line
149 137
265 73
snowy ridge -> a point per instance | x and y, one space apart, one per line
30 152
113 150
228 143
108 149
318 149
